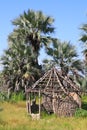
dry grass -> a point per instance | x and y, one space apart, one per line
14 117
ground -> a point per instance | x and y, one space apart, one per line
13 116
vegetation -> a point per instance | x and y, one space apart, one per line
64 56
83 39
20 60
13 116
33 31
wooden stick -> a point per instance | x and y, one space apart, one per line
27 103
39 103
30 103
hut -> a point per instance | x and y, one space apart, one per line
60 95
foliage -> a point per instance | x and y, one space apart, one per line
84 41
18 64
84 35
34 28
81 113
84 83
84 101
20 61
3 96
15 97
64 56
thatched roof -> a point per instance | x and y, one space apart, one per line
54 81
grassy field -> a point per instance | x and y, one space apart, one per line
13 116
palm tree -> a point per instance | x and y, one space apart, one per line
64 56
19 66
84 40
32 31
84 35
34 28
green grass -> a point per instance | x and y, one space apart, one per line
13 116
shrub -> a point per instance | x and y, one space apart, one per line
84 102
3 96
81 113
17 97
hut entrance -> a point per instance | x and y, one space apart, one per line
34 108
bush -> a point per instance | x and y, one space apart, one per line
17 97
3 96
84 98
84 102
81 113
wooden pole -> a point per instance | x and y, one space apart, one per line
53 102
29 103
39 103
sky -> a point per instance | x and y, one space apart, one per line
69 16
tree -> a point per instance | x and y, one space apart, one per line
20 60
84 41
84 35
34 28
64 56
19 69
